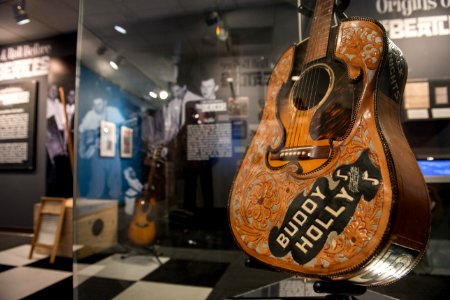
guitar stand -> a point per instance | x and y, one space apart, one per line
144 250
341 6
337 290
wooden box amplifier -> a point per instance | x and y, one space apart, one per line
95 223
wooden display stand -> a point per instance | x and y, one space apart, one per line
47 231
95 223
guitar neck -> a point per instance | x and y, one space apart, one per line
148 191
320 31
151 176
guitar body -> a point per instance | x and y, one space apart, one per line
328 187
142 228
141 231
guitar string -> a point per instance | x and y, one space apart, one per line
325 23
292 97
312 77
296 113
296 99
306 87
292 113
304 82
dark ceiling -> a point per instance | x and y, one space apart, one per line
159 33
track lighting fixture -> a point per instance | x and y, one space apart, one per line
115 62
20 12
221 31
163 95
101 50
212 18
153 94
120 29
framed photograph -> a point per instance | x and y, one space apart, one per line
107 139
126 142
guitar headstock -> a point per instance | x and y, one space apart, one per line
160 151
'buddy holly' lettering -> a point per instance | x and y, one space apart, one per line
310 218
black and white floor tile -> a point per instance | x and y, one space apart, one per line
22 277
105 277
180 273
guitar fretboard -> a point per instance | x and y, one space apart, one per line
320 31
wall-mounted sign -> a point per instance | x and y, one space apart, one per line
208 130
405 19
17 125
24 61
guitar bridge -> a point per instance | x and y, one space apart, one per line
302 153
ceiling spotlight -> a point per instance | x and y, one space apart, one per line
20 12
221 31
101 50
115 62
212 18
120 29
163 95
153 94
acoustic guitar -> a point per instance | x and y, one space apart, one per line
142 229
329 187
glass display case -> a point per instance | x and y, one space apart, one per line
189 88
170 95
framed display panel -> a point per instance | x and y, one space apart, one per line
440 99
427 100
18 125
126 142
107 139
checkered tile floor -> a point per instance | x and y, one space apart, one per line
183 274
105 277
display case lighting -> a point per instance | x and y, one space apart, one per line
120 29
163 95
115 62
221 31
20 13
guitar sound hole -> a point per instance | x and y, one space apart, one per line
313 85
